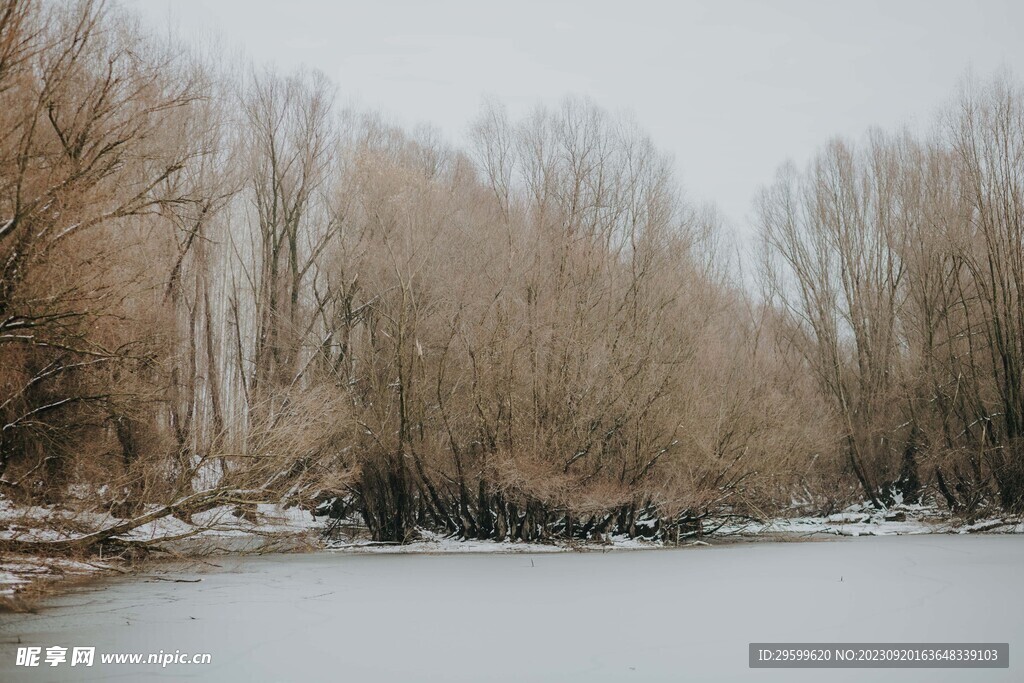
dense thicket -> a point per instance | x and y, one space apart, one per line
898 265
225 289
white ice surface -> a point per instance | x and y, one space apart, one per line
665 615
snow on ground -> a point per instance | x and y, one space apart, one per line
221 530
673 615
222 522
213 528
431 542
38 523
862 520
18 571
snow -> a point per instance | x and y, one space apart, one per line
221 522
666 615
436 543
217 529
220 530
46 523
18 571
430 542
860 520
51 524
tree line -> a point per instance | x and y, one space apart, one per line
217 286
897 269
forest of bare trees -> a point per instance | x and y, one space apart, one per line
220 287
897 269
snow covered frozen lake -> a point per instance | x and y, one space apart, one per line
667 615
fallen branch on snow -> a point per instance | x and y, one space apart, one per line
196 502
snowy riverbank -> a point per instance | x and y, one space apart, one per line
272 528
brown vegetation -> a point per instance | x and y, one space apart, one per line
223 289
899 269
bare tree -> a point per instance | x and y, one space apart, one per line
87 159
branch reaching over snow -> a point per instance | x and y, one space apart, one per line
196 502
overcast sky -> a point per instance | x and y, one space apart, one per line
731 89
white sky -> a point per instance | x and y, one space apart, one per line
731 88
